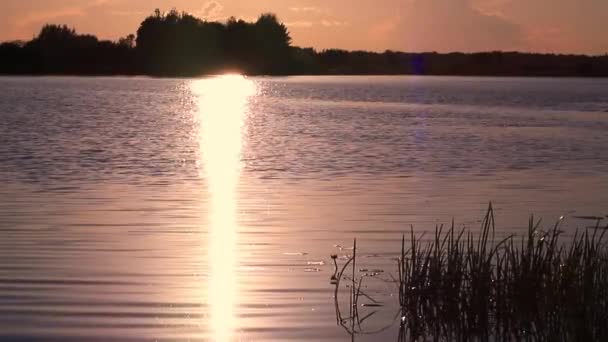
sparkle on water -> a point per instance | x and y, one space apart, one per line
222 110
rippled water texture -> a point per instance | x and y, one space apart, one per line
148 209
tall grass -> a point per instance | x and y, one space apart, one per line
461 286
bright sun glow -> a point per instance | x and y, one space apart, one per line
222 110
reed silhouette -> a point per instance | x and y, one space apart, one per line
180 44
460 286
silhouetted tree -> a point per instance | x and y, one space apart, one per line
305 61
127 42
239 45
178 44
272 45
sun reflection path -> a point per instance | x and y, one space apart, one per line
222 110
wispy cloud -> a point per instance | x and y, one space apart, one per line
490 7
299 24
211 10
39 17
72 11
551 39
333 23
324 23
128 13
457 26
305 9
385 27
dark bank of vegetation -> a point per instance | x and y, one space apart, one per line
463 287
179 44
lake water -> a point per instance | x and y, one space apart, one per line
180 209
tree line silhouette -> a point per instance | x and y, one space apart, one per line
179 44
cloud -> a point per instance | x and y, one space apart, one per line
305 9
299 24
555 25
549 39
128 13
40 17
334 23
454 25
211 10
387 27
325 23
25 22
490 7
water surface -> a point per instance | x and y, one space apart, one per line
179 209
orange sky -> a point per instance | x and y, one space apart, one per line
569 26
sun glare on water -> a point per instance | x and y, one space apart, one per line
222 110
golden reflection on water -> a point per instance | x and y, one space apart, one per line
222 110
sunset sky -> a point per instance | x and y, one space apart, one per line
567 26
